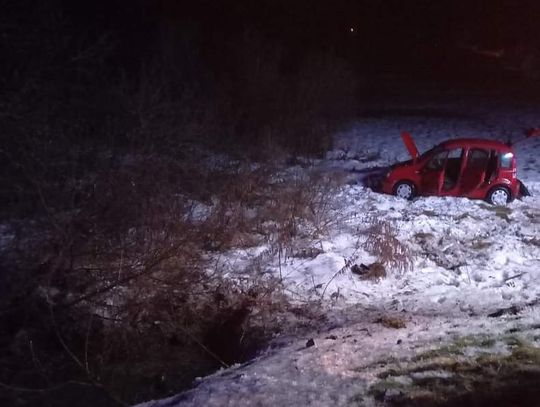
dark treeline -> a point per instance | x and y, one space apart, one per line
109 75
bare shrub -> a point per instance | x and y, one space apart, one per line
126 277
382 242
108 282
263 205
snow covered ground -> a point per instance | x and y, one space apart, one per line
462 261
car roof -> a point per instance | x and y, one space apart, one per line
476 142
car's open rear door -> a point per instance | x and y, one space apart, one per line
533 132
474 173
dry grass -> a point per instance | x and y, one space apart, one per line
447 379
382 242
392 322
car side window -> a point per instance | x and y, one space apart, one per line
477 158
455 153
437 161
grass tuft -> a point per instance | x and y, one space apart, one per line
444 377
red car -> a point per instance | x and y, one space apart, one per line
468 167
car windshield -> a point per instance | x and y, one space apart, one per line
431 152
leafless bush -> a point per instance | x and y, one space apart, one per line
108 282
264 205
301 207
382 242
128 266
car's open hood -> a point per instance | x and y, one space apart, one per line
409 143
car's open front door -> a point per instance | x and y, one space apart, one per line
433 174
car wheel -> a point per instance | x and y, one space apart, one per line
405 190
498 196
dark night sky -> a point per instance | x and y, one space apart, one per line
420 38
385 23
389 35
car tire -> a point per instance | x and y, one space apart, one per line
499 196
405 190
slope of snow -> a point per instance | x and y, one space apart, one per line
343 362
467 259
